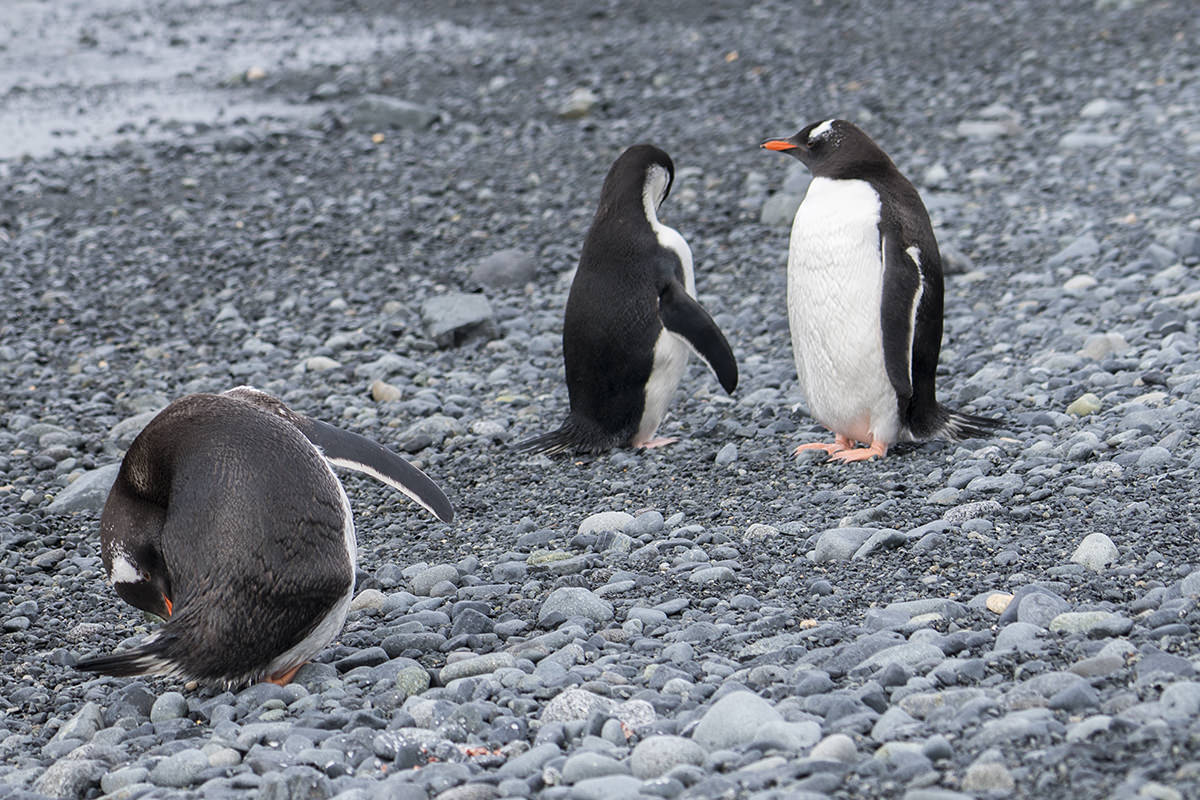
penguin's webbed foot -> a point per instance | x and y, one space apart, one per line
860 453
285 677
839 444
657 441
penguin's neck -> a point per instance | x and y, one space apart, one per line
650 205
668 237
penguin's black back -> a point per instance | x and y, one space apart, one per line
250 530
611 321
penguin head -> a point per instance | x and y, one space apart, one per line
642 174
832 148
140 580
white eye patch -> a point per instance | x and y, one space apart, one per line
822 130
123 570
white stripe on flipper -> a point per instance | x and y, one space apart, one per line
914 253
379 476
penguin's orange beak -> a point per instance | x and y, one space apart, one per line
170 606
778 144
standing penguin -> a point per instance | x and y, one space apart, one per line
631 316
227 520
864 298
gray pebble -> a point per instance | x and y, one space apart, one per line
1080 249
374 112
503 269
479 665
574 704
86 493
69 777
708 575
179 770
170 705
606 521
1019 636
1095 552
987 778
657 755
454 318
82 725
1092 623
839 544
575 601
734 719
1039 608
295 783
609 787
835 747
424 581
587 764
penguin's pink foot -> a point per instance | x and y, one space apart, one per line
284 678
657 441
839 444
860 453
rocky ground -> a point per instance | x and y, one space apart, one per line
373 211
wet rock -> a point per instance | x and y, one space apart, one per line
376 112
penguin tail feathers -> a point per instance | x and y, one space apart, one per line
571 435
955 425
145 659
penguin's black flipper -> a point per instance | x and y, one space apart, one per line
683 315
345 449
907 333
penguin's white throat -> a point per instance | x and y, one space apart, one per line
654 190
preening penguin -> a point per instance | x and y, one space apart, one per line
631 316
227 520
864 298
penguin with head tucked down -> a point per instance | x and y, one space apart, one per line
864 298
631 316
227 520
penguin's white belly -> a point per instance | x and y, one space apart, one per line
835 287
670 350
670 361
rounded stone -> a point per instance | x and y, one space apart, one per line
658 755
735 719
574 704
587 764
424 581
1095 552
575 601
179 770
835 747
606 521
986 778
171 705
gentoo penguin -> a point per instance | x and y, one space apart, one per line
227 521
631 316
864 298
